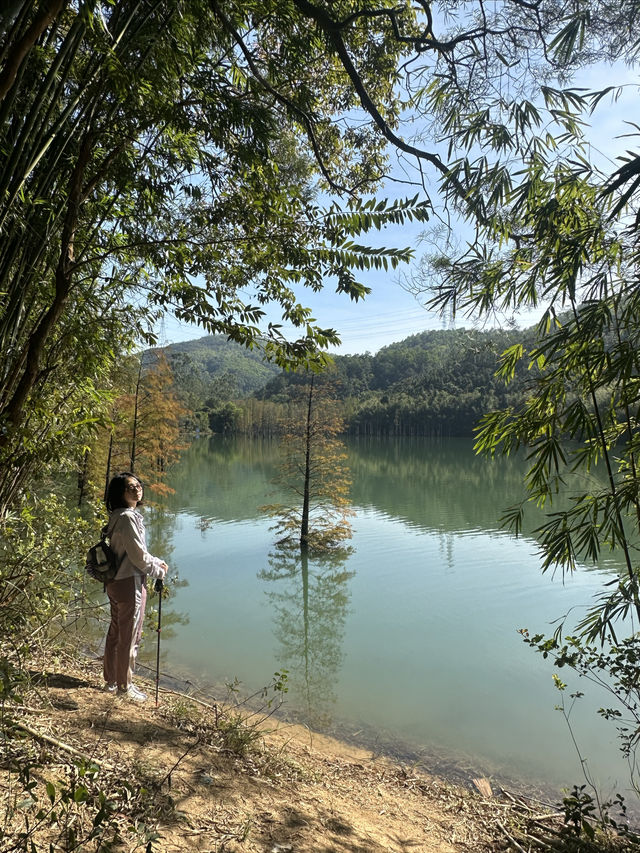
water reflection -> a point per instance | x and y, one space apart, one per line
160 524
429 484
309 601
226 479
413 632
437 485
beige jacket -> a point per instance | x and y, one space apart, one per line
128 540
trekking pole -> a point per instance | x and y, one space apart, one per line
158 588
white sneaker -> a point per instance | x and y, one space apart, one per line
132 692
111 688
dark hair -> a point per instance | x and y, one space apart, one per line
115 492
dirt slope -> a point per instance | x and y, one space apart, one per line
198 780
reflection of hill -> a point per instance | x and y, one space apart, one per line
225 478
438 484
428 483
434 484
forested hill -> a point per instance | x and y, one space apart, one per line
214 366
433 383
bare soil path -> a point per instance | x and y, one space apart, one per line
196 779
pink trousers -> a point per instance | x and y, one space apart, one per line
128 598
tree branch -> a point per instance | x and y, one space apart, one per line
280 98
335 38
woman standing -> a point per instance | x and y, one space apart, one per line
127 591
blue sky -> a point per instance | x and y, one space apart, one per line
390 313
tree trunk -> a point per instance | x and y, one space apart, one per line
23 46
14 408
136 408
82 476
304 525
107 476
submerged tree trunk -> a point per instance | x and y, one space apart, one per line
304 525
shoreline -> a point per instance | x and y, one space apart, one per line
193 776
459 770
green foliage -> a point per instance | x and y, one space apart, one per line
73 810
223 419
433 383
591 827
206 361
240 723
612 666
210 374
173 158
41 548
582 416
155 160
579 420
555 234
329 525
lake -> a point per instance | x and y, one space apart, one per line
410 643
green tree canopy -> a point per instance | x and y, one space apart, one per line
211 158
153 160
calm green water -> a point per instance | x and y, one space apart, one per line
411 641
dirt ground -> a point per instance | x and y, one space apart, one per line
208 783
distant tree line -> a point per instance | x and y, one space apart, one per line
436 383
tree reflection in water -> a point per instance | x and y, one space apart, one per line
309 595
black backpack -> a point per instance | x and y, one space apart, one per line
102 561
